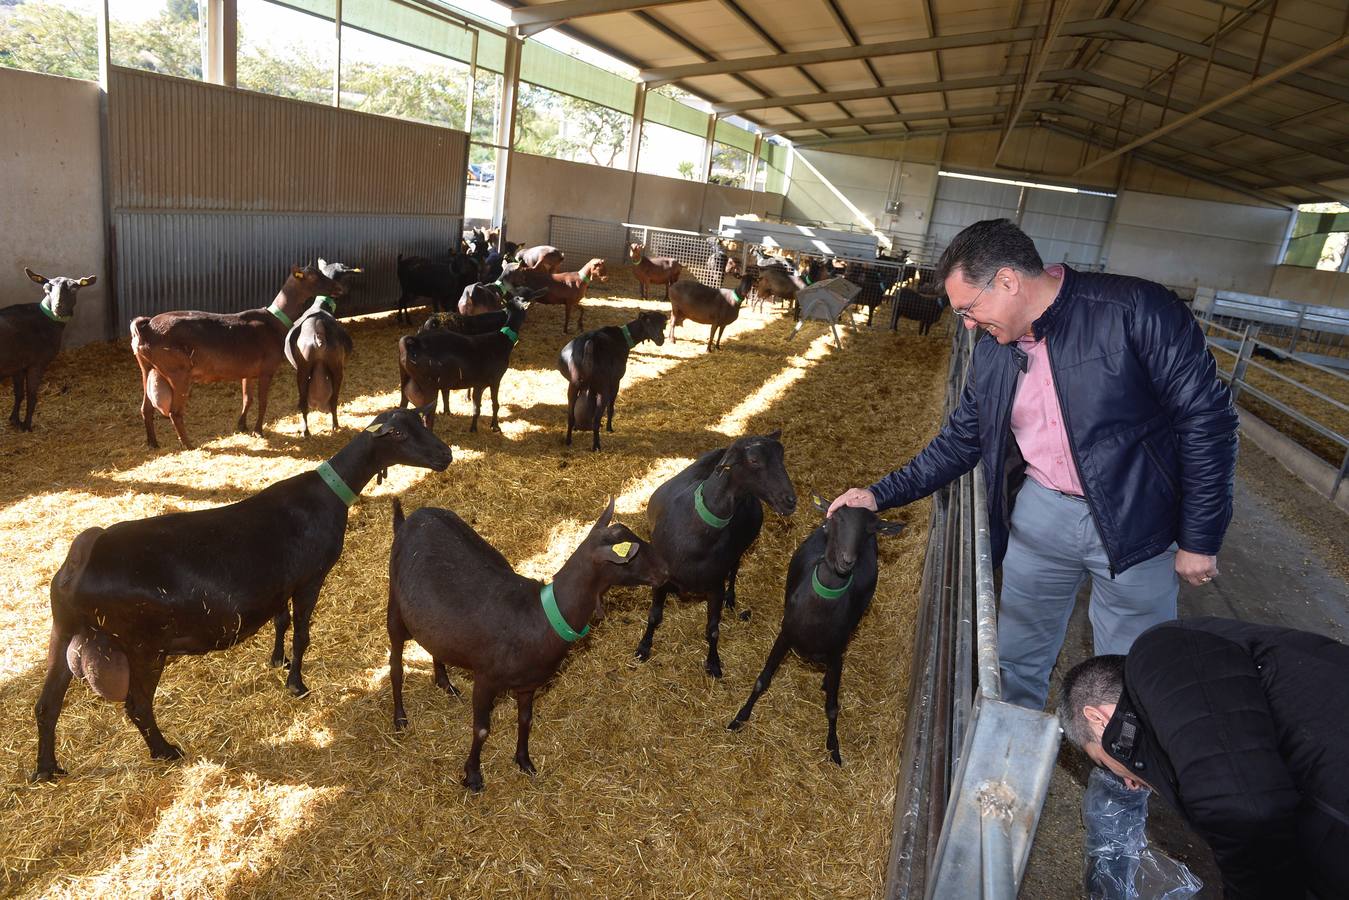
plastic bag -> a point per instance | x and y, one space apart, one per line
1120 864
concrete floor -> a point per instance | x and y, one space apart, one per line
1283 562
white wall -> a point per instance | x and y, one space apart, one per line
1311 286
1184 242
847 189
51 215
539 186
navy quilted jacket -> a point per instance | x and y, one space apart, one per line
1244 729
1152 429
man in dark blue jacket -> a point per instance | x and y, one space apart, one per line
1244 730
1094 404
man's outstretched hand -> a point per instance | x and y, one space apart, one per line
853 497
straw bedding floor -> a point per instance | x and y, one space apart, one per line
641 789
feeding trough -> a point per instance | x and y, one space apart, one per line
825 301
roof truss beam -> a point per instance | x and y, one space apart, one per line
1263 81
533 19
666 74
859 121
930 87
1018 104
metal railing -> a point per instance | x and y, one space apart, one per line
1318 329
974 770
584 239
1236 376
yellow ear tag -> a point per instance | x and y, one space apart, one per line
373 427
299 276
624 549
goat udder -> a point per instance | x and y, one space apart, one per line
160 391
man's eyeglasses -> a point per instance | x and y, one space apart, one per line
965 313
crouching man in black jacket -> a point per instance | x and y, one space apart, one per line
1244 729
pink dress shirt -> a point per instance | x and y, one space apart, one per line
1037 423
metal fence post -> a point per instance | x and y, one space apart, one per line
1248 336
1297 329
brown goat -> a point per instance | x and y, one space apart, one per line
717 307
661 270
568 288
178 349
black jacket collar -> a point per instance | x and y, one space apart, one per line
1128 738
1056 311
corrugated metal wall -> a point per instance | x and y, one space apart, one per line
216 192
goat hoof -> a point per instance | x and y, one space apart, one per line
744 615
643 652
168 751
526 766
473 781
42 775
838 760
279 662
496 428
713 668
298 688
400 723
736 725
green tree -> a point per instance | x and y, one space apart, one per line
48 37
686 169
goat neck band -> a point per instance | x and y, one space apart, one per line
511 333
738 299
555 618
806 279
627 336
282 317
585 279
826 593
51 313
328 303
334 481
704 513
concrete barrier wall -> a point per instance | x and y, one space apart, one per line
539 186
52 184
1184 242
846 189
1311 286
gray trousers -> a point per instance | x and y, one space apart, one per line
1052 549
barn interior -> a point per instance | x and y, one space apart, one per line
188 153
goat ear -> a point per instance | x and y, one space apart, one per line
88 280
884 527
622 552
819 503
40 279
605 517
322 263
776 436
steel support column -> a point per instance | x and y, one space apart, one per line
510 91
221 49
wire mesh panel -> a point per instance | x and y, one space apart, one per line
586 239
702 256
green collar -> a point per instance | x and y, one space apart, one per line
285 319
738 299
627 336
500 285
328 303
555 619
825 593
806 279
511 333
704 513
334 481
585 279
51 313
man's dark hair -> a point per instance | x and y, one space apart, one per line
1096 682
983 248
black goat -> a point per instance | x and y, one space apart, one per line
705 518
441 281
457 596
594 364
189 583
441 361
875 284
30 338
830 582
926 309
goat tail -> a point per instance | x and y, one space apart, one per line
397 515
139 331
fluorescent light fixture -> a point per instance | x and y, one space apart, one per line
1029 184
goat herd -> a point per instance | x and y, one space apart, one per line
132 595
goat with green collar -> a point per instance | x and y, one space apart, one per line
460 599
717 307
830 583
594 364
178 349
564 288
30 338
133 595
